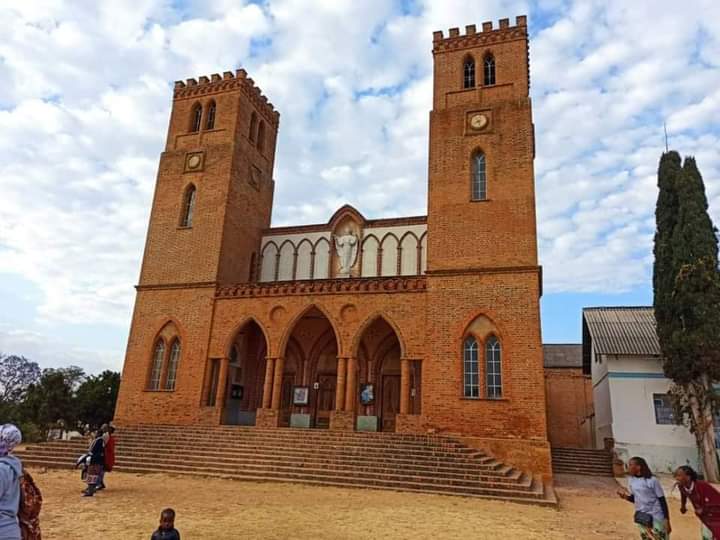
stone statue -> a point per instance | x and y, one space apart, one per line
346 247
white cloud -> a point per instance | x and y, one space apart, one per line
85 90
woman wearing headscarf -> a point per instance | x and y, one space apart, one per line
10 474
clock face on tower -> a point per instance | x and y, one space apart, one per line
478 121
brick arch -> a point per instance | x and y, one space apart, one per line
497 330
234 332
178 335
282 345
357 339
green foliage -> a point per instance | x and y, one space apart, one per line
39 401
686 286
16 374
96 398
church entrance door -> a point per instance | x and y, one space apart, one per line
325 400
390 401
286 394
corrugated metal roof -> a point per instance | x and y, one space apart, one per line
622 330
562 355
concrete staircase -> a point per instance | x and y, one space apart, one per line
582 461
427 464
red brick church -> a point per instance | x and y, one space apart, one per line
420 324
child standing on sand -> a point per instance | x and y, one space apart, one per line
166 530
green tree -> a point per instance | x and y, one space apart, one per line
17 373
687 299
96 397
53 398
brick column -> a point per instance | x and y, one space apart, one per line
340 385
267 387
351 390
222 384
404 385
277 382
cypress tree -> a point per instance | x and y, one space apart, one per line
686 283
664 270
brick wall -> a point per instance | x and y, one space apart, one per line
569 407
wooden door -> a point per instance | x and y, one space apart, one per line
325 400
390 401
286 395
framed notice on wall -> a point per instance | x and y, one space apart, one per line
367 394
301 395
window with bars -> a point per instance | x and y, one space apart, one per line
157 362
210 122
489 70
186 219
173 365
493 368
196 117
479 177
469 73
664 413
471 371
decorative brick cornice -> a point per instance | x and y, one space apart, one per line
216 84
368 224
324 286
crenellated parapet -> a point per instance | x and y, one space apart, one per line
216 83
486 36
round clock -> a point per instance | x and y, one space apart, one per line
478 121
193 162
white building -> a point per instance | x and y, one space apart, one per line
622 353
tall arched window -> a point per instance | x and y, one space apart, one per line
479 177
469 72
493 368
195 117
157 362
173 365
210 122
188 206
253 127
489 70
471 372
261 136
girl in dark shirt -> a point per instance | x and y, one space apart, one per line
166 530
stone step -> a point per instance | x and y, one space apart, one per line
484 465
300 433
534 492
379 453
424 464
504 475
366 443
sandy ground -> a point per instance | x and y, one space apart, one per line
228 509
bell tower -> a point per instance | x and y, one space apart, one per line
214 190
481 200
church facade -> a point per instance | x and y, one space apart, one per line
422 324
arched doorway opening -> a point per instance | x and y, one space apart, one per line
245 377
380 376
309 380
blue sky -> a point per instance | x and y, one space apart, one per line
85 90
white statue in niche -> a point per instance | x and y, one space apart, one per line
346 247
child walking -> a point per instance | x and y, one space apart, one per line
652 516
705 499
166 530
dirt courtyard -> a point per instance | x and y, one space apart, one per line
210 508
